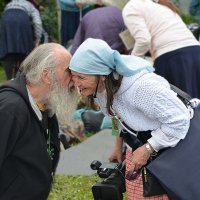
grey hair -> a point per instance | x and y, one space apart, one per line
41 58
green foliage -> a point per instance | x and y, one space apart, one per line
2 75
73 187
188 19
2 5
50 18
119 3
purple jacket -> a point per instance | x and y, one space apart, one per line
101 23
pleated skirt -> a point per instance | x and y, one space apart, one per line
16 33
181 68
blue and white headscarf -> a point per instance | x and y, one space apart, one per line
94 56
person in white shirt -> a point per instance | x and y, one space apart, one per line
125 87
157 27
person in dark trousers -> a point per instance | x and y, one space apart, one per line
29 145
71 15
20 32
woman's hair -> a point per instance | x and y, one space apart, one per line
87 102
168 4
112 86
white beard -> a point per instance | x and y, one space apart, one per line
63 103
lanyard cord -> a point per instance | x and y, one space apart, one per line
50 150
95 93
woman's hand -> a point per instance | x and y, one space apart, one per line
116 155
139 158
117 151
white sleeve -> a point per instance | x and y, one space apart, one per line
165 107
136 24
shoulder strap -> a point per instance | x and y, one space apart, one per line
185 97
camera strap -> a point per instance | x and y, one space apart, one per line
185 98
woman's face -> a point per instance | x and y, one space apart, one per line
87 83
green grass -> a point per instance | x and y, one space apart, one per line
2 75
73 187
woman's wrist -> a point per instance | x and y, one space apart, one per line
149 148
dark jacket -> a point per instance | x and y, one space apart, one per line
25 166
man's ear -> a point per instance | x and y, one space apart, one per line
46 77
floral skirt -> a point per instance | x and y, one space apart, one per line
134 188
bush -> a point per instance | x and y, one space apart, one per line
188 19
50 18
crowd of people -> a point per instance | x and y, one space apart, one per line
129 92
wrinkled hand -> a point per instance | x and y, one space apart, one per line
139 158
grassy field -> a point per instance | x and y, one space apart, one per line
73 187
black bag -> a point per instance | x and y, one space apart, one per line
151 185
154 167
177 168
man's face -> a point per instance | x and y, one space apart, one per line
62 100
63 74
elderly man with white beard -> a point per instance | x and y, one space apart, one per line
29 144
